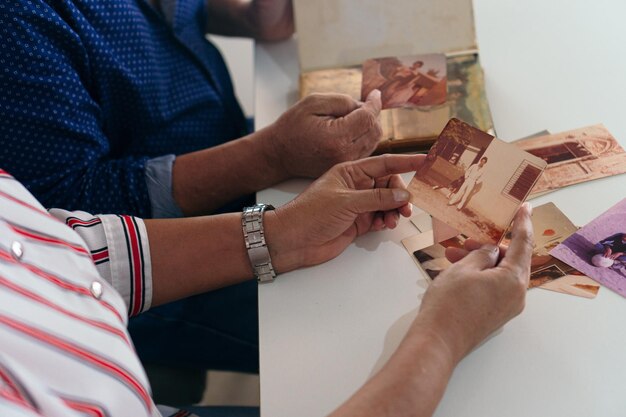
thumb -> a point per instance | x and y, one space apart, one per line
365 117
479 259
379 199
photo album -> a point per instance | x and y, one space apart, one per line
427 72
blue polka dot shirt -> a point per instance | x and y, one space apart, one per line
90 90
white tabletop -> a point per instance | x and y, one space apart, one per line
325 330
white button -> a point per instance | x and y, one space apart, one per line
17 250
96 290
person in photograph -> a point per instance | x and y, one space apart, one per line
613 247
473 177
403 84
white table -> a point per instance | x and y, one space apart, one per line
325 330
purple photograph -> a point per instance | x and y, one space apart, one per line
599 249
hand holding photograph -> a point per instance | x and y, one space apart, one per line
550 228
599 249
474 182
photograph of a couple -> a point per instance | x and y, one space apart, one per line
410 81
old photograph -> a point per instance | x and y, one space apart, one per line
409 81
474 182
550 228
599 249
575 156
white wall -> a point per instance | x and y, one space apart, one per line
239 56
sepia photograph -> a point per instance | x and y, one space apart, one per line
550 228
474 182
599 249
575 156
409 81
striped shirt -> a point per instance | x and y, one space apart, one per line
68 283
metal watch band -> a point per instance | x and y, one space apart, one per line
254 236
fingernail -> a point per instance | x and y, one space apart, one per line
529 207
491 248
375 93
400 195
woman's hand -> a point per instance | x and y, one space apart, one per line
480 292
351 199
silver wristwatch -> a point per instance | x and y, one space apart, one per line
254 236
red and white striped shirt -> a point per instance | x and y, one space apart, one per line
65 297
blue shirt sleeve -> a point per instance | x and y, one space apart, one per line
159 180
52 135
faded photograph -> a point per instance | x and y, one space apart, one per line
409 81
474 182
550 228
599 249
410 129
575 156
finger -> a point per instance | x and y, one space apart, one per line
471 244
391 219
367 143
520 250
327 104
456 254
406 210
480 259
388 164
364 118
378 223
378 199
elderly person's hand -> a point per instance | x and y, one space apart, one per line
351 199
323 130
481 291
465 304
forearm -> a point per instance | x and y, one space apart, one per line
411 383
195 255
205 180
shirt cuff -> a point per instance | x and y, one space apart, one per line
129 260
119 248
159 181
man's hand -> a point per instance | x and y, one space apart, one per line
478 294
322 130
351 199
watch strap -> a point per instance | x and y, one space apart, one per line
254 237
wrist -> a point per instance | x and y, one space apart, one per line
446 337
266 141
282 246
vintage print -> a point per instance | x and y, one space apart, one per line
410 81
415 128
576 156
550 226
474 182
599 249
